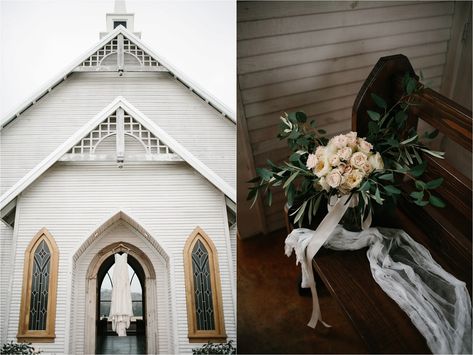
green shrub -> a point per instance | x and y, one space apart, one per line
18 348
210 348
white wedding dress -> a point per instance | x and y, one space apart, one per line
121 308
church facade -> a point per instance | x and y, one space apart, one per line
119 154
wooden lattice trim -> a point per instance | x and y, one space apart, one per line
113 47
151 144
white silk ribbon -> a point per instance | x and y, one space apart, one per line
306 243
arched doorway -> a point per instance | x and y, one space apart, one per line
97 271
107 341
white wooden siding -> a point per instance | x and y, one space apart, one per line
168 199
314 56
6 242
54 118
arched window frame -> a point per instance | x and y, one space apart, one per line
195 335
48 335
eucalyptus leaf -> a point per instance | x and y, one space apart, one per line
388 176
433 184
378 101
264 173
393 190
421 203
436 201
417 195
375 116
290 180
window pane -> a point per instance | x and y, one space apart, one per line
118 23
40 288
202 287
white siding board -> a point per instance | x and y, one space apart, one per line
306 55
169 199
183 115
331 65
282 43
6 244
354 17
256 10
314 56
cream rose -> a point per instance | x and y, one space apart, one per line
338 142
345 153
367 168
311 161
364 146
376 161
334 160
353 179
322 167
351 139
323 184
321 151
358 159
334 178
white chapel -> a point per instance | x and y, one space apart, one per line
120 157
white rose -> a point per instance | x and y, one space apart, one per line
347 169
311 161
353 179
351 139
345 153
321 151
364 146
338 142
367 168
323 184
376 161
334 178
334 160
358 159
322 167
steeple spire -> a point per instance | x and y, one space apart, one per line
120 17
120 7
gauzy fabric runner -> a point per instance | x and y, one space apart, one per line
121 308
437 303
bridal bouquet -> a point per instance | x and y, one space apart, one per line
370 168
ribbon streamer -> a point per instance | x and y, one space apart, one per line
306 243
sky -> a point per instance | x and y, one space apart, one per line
41 38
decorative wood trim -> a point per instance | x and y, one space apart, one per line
120 101
195 335
48 335
215 103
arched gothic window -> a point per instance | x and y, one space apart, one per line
203 290
38 298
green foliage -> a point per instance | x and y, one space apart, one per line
18 348
400 148
211 348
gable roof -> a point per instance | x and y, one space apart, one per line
211 100
120 101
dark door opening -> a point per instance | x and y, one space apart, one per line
107 340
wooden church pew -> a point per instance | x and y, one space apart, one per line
446 232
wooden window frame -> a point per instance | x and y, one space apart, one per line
39 336
195 335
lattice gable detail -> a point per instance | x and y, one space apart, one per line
119 46
120 123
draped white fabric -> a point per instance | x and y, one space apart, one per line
121 309
437 303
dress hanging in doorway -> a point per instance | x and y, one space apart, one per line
121 309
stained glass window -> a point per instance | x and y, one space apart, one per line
40 287
202 287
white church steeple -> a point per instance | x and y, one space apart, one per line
118 17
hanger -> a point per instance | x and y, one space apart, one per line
121 247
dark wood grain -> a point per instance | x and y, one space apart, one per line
446 233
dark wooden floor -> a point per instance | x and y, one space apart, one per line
272 316
111 344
